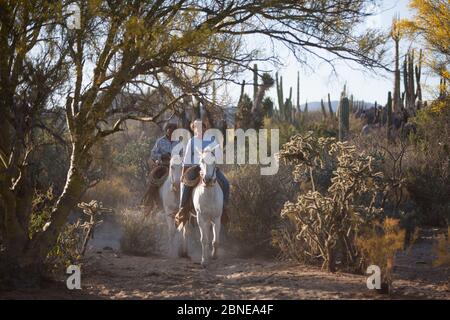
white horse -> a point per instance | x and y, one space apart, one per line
169 193
208 204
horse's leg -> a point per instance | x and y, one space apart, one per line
172 231
216 234
204 238
183 250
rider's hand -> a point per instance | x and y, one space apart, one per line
165 157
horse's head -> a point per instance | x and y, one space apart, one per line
207 169
175 173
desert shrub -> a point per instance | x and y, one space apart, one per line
286 129
442 250
42 205
428 176
379 244
72 242
142 233
67 249
255 203
328 221
289 246
114 192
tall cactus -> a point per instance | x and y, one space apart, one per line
298 91
324 112
285 106
344 118
395 35
242 91
389 116
255 81
330 107
279 87
418 71
411 78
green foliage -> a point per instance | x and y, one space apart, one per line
42 205
268 105
244 112
428 178
133 157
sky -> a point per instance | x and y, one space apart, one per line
317 80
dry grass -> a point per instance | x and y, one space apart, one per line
142 233
255 204
442 250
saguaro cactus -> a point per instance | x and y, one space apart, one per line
330 107
298 91
285 106
411 78
324 112
395 35
418 71
389 116
344 118
255 81
242 91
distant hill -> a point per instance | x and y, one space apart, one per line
315 105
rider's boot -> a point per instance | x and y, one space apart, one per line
182 216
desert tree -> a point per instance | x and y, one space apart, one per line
130 46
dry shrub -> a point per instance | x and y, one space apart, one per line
442 250
290 247
379 244
255 203
142 233
72 241
114 192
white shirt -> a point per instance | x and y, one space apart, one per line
195 148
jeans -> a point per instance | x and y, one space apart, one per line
186 191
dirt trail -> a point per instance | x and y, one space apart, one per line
109 274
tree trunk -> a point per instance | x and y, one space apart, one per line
23 259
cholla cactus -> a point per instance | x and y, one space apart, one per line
92 209
324 219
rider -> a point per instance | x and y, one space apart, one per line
160 155
162 149
199 128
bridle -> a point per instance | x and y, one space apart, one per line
213 180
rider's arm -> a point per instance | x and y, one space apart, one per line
156 151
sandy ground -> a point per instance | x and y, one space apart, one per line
109 274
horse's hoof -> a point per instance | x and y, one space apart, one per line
204 264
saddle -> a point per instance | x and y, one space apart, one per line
157 176
190 178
